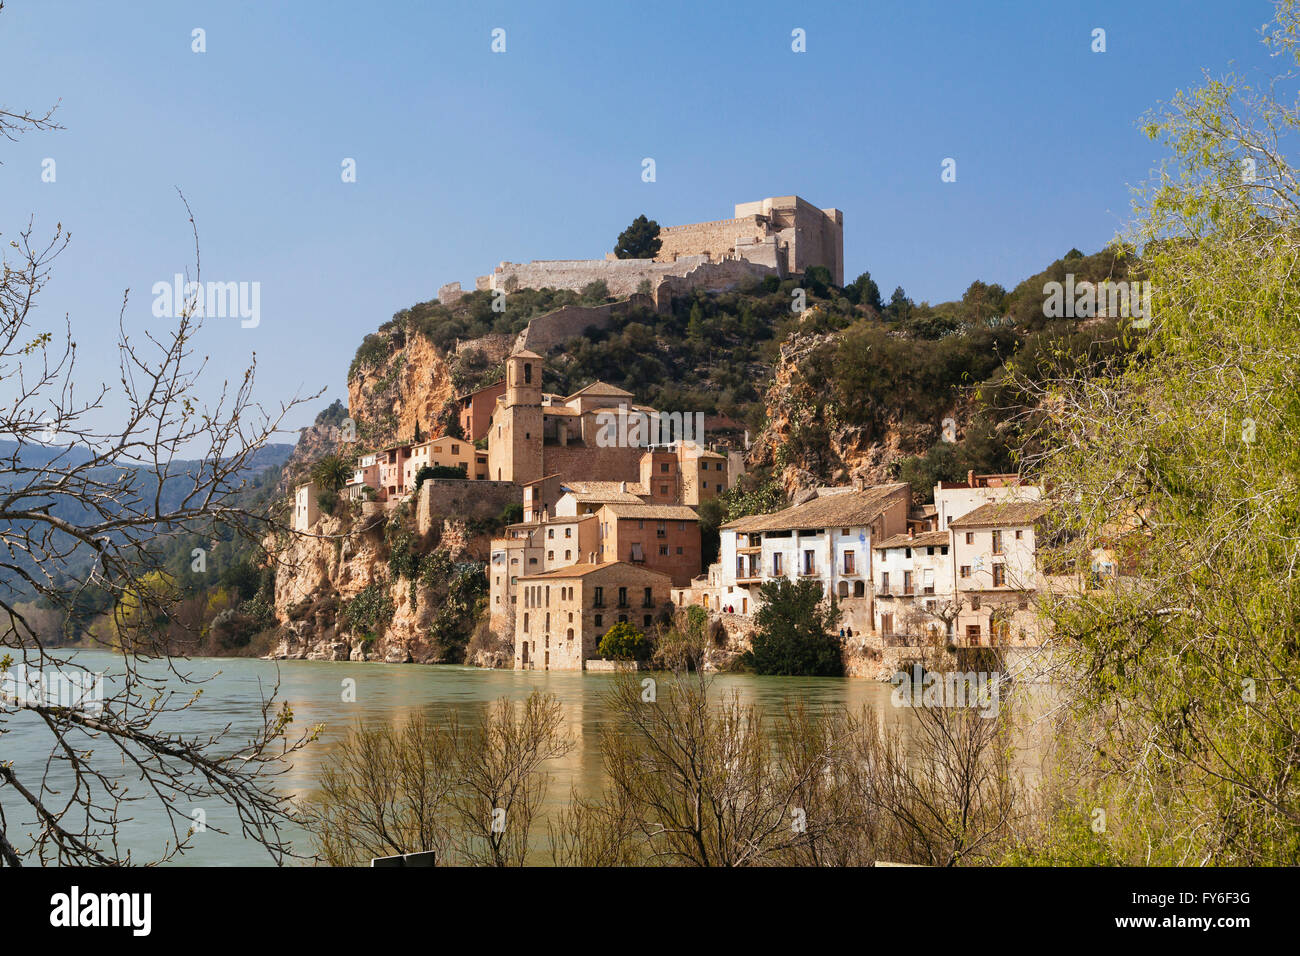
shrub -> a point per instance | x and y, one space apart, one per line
370 612
795 632
624 642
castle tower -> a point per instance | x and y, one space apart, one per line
515 438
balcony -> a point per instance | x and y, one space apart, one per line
753 577
896 590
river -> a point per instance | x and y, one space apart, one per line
315 690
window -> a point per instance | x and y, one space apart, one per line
887 624
850 562
1019 534
528 373
550 555
944 549
907 582
647 620
550 532
974 602
663 489
599 599
999 575
622 597
664 468
679 549
568 554
648 600
776 565
970 537
859 589
965 570
809 562
662 530
929 552
600 618
568 532
972 634
525 623
663 550
997 542
884 581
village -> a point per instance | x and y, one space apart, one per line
610 531
610 492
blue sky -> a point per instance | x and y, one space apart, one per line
465 157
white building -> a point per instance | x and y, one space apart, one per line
914 587
995 554
827 538
953 499
305 510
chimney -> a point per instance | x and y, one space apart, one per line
622 486
970 478
859 483
911 531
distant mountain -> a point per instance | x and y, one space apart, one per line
178 484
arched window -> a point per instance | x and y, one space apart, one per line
844 589
859 589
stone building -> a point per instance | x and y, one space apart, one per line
780 235
474 410
562 615
661 537
997 573
785 232
827 538
305 510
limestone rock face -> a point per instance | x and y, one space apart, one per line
319 573
411 387
835 453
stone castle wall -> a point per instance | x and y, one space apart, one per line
716 240
621 276
555 328
463 498
584 463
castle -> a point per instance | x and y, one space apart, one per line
780 236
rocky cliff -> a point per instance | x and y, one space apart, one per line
410 616
805 440
407 388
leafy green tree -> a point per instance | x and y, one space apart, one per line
624 642
331 473
864 291
639 240
795 631
1182 464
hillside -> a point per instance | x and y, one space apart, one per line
852 385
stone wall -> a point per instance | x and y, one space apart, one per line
583 463
711 276
555 328
621 276
716 240
464 498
